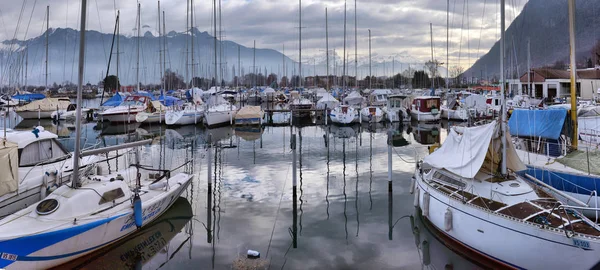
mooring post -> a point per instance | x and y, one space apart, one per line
209 190
389 161
294 194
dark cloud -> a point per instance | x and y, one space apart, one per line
397 27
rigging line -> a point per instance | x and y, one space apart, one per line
461 33
277 213
10 50
66 39
481 29
101 35
29 23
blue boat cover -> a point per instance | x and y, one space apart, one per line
168 100
113 101
146 94
29 97
547 124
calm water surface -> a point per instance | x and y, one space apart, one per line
346 218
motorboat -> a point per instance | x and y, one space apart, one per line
426 109
33 162
127 110
249 115
397 108
279 116
372 114
379 97
68 114
454 110
219 111
467 195
300 106
344 115
42 108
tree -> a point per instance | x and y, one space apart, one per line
432 66
173 80
421 79
271 78
111 83
284 81
456 72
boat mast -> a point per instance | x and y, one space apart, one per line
75 179
254 66
187 43
220 50
529 67
165 53
432 61
370 70
47 37
355 48
574 139
327 47
118 30
502 89
215 39
239 75
159 45
137 73
344 64
300 42
447 44
192 41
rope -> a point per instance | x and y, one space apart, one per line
407 161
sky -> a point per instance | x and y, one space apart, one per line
400 29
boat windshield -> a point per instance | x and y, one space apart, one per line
134 101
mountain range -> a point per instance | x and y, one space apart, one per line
63 57
544 23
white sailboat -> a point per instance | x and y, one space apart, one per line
127 111
344 115
501 214
372 114
188 115
219 111
70 223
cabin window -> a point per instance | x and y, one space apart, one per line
40 151
448 180
111 195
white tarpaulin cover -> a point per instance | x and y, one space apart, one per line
464 153
328 100
249 112
589 129
477 102
47 104
9 165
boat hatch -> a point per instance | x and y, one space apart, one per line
344 109
449 180
47 206
111 195
372 110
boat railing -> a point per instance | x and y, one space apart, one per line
544 149
565 208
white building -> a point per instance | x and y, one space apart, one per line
554 83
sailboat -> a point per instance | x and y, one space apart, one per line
188 115
87 215
505 215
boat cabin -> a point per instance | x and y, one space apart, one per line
427 104
397 101
379 97
37 146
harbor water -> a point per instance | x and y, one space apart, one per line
346 218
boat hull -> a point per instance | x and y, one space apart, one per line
119 117
215 118
510 242
55 247
460 115
183 118
424 116
35 114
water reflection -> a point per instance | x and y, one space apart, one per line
137 249
426 133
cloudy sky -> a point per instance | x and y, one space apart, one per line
399 28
